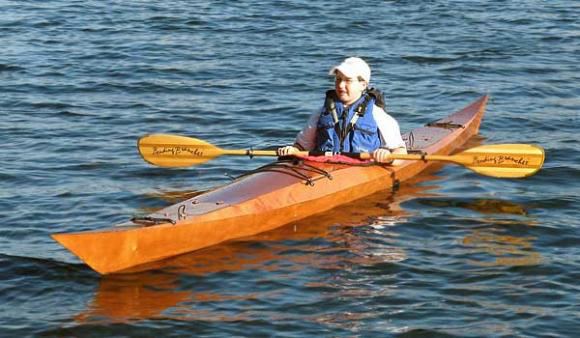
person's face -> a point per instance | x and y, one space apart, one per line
348 89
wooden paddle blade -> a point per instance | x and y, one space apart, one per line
504 160
166 150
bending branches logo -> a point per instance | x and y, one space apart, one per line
177 150
501 159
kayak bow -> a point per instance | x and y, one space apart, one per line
267 198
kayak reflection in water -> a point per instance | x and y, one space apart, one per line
353 118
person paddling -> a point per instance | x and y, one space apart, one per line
352 119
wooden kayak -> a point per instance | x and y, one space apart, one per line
267 198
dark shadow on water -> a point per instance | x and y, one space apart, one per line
484 206
501 235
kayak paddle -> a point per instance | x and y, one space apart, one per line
496 160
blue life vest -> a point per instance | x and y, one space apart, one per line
354 130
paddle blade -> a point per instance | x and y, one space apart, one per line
504 160
176 151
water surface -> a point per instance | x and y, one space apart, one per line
451 254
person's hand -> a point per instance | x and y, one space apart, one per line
381 155
287 151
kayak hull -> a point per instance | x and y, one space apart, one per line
262 201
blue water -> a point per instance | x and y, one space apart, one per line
451 254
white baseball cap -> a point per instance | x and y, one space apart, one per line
353 67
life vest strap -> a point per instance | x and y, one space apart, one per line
360 112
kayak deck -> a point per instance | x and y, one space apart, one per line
262 200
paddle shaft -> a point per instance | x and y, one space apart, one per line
251 153
362 156
461 158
